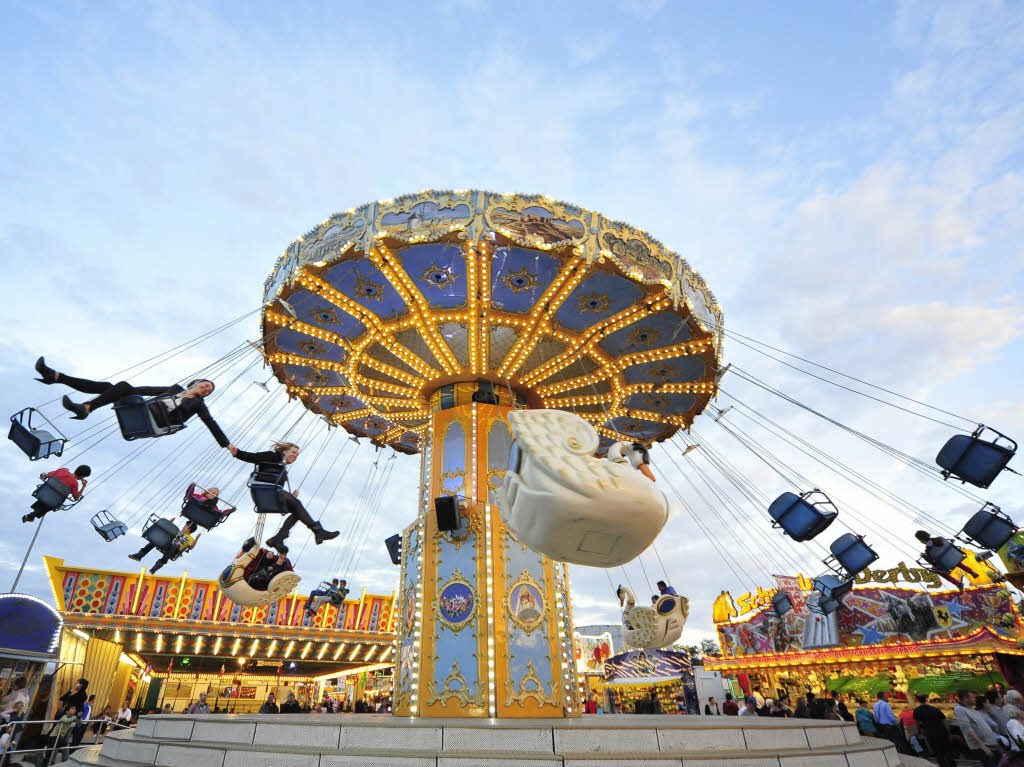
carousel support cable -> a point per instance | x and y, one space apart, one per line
848 507
847 472
917 464
643 569
359 515
751 489
383 487
785 558
793 553
702 525
330 498
738 336
758 561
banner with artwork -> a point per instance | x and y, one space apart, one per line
639 664
592 652
874 616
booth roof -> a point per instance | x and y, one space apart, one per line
633 681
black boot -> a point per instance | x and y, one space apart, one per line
28 517
321 535
137 556
47 374
80 411
156 567
277 542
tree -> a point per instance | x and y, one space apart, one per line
710 647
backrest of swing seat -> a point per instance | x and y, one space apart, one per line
52 492
852 553
267 497
800 520
828 605
35 443
781 603
973 459
944 557
989 530
206 518
831 586
161 532
134 418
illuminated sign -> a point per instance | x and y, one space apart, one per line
592 652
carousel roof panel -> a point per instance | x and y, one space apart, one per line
439 271
374 309
596 299
363 282
519 277
673 370
653 332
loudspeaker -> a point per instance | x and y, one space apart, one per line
447 508
394 544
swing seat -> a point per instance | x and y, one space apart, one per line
989 528
781 603
561 501
53 493
108 527
162 533
394 544
975 460
267 495
34 442
800 517
648 628
233 584
944 558
141 418
832 590
850 555
196 511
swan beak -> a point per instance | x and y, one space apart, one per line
645 469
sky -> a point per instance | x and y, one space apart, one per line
847 177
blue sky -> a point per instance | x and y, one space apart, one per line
847 177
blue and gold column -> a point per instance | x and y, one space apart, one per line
485 628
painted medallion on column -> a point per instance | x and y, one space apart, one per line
526 606
456 602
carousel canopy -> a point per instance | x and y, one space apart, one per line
374 311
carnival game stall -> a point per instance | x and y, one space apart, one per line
630 677
883 638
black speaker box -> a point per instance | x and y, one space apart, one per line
447 508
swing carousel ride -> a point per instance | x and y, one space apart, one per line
531 352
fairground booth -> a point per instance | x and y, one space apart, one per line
631 677
150 640
909 637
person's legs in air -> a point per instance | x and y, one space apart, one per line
138 555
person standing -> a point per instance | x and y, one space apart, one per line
730 708
994 709
931 723
865 721
270 707
79 732
200 706
889 725
291 706
711 707
758 697
18 692
590 705
975 728
749 707
60 734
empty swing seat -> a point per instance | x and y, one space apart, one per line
851 553
781 603
108 527
207 518
975 460
394 544
160 532
52 492
800 518
34 442
943 558
989 528
141 418
832 590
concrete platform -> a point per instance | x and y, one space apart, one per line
331 740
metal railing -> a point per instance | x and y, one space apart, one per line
52 745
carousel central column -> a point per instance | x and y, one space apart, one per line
486 624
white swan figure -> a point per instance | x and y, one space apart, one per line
561 501
234 587
648 628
